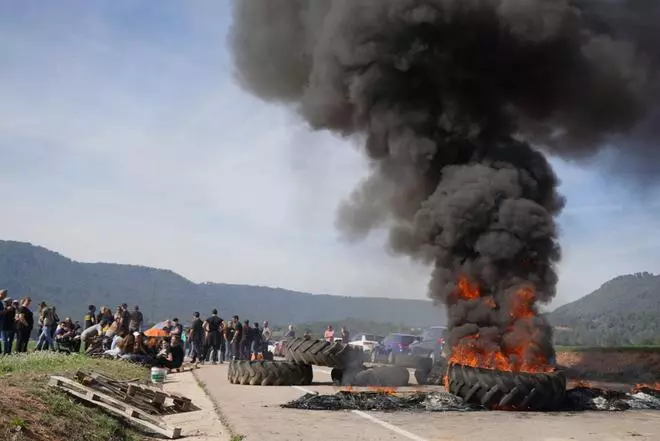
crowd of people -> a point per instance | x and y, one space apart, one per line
121 334
216 340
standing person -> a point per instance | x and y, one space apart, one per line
53 327
47 321
212 336
8 326
291 333
3 296
329 334
344 335
246 341
90 317
176 327
266 333
40 315
228 331
236 338
257 342
222 344
196 339
24 324
124 319
136 321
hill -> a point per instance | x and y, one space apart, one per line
71 286
624 311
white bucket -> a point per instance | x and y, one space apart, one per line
158 374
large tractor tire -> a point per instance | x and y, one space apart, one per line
382 376
507 390
268 373
423 368
323 353
345 378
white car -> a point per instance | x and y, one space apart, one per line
366 341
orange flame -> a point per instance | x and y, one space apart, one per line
467 291
639 387
518 356
582 383
383 390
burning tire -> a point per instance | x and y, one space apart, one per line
507 390
323 353
384 376
269 373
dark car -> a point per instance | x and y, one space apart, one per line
394 347
432 344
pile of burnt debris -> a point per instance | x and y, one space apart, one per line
577 399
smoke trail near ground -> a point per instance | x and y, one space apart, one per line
449 96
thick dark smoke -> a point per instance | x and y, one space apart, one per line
450 96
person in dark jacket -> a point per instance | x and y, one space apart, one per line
24 324
246 340
90 317
8 326
3 296
212 337
196 338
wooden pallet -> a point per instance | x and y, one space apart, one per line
112 405
146 397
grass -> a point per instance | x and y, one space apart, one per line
632 348
43 414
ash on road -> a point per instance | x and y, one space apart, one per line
256 413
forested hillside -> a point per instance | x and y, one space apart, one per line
624 311
45 275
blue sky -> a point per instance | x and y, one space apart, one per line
123 138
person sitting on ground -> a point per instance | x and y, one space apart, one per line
138 352
178 354
64 336
77 332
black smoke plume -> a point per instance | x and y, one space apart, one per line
457 102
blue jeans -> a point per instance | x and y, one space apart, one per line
7 341
45 340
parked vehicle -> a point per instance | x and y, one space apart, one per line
432 344
395 347
367 342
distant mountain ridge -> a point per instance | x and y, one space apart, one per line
26 269
623 311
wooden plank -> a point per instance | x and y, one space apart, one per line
114 406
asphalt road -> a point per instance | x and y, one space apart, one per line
255 413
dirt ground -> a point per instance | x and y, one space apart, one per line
255 413
625 366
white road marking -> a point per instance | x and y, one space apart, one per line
307 391
388 426
371 418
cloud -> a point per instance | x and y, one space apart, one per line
125 139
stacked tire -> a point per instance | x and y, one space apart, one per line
323 353
269 373
345 360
